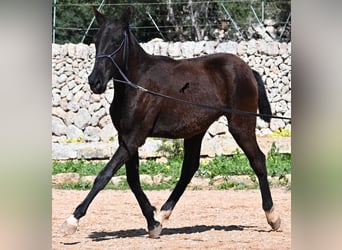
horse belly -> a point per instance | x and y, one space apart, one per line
173 125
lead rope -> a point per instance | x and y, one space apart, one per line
151 92
207 106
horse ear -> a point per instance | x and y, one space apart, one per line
100 18
127 15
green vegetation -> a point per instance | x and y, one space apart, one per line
177 20
237 164
278 165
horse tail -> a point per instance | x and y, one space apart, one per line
263 103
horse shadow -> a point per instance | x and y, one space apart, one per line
129 233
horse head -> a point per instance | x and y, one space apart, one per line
111 43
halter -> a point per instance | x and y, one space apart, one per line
125 45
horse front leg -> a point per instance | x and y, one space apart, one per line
119 158
132 172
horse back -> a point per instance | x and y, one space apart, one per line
211 80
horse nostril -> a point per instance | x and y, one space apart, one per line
97 82
91 79
97 86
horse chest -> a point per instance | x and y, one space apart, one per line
126 116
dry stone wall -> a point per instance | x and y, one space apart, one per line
80 116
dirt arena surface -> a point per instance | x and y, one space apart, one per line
205 219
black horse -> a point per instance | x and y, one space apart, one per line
221 80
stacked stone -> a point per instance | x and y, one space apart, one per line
273 61
80 115
77 114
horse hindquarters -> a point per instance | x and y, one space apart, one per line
246 97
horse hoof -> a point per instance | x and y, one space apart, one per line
162 216
155 232
275 224
273 219
69 226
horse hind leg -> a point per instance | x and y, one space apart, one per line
192 149
243 131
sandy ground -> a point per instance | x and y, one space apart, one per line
206 219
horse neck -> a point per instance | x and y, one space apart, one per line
137 59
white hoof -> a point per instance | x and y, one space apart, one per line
273 219
162 216
155 232
70 225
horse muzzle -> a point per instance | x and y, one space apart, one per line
98 88
97 85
